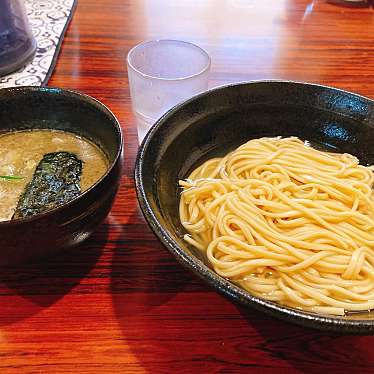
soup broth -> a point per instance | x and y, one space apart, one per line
21 152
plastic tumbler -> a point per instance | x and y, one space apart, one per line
161 74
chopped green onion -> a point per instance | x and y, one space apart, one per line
10 177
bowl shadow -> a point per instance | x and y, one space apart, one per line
310 351
145 279
26 289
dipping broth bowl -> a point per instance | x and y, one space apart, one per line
68 225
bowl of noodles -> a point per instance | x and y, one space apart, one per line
265 191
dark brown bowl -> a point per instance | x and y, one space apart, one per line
219 120
68 225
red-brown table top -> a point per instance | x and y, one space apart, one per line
121 303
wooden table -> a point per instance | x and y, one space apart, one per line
120 303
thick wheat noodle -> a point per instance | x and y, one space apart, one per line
286 222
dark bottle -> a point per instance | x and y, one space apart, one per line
17 44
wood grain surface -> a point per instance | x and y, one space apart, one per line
120 303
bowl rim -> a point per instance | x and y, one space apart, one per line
77 96
303 318
140 73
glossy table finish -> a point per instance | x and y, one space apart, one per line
120 303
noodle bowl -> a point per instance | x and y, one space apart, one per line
287 223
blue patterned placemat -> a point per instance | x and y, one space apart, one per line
49 20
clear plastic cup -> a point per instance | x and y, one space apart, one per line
161 74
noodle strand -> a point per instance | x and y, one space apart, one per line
287 223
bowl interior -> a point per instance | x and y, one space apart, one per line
218 121
51 108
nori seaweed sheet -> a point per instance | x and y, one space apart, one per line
55 182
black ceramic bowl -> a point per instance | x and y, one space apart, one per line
70 224
219 120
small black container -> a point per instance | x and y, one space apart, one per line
17 44
27 108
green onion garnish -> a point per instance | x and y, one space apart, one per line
10 177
